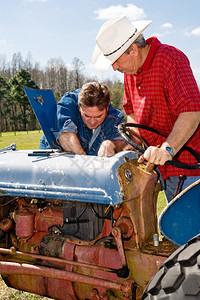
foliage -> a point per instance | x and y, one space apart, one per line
4 92
21 111
116 93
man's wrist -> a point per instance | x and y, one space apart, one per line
168 148
109 143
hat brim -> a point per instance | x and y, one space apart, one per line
103 63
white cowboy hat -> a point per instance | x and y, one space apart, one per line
113 39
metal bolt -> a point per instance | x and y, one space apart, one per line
128 174
41 182
156 239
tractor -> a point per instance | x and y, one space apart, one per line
85 227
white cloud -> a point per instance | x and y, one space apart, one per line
194 31
166 25
131 11
160 34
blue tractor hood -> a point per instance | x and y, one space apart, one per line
57 175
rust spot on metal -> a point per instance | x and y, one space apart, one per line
39 99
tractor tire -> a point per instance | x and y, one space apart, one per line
179 277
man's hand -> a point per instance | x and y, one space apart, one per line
128 148
107 148
155 155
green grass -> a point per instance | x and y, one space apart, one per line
162 202
22 139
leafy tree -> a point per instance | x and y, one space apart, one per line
21 111
3 99
116 93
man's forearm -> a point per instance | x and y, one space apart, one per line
70 142
183 129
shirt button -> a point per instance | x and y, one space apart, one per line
139 87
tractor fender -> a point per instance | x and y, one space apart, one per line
179 221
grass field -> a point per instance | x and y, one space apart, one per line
30 140
22 139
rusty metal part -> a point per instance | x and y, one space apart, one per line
15 241
150 166
126 226
117 233
27 269
23 255
140 197
6 225
24 224
8 201
181 178
51 245
164 249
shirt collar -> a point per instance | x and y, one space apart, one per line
155 44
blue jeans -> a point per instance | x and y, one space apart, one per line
172 182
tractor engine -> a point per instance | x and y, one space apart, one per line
78 227
29 220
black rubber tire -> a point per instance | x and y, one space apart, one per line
179 277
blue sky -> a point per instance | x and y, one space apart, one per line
67 29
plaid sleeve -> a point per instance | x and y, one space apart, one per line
181 86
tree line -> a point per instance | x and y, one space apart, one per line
16 113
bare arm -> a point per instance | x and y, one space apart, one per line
131 119
70 142
183 129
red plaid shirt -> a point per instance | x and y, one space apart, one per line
163 88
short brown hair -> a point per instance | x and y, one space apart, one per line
94 94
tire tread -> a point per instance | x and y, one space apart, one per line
179 277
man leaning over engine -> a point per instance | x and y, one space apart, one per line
87 122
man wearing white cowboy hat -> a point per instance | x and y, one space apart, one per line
160 91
